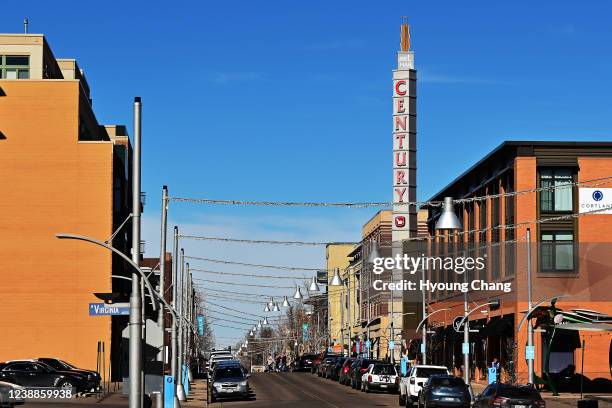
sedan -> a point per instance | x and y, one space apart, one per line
344 373
304 363
445 391
380 377
36 374
509 396
93 378
229 382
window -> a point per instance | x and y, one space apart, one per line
14 67
557 251
557 197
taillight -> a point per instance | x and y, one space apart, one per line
369 378
345 370
363 370
499 401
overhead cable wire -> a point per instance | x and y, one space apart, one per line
265 241
285 268
245 274
244 284
234 310
591 182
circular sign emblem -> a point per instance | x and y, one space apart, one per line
597 195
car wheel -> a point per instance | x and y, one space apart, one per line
67 385
212 399
401 400
366 388
409 401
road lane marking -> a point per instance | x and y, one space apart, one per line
304 392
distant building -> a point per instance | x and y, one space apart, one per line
61 172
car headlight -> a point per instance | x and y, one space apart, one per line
243 383
89 376
216 385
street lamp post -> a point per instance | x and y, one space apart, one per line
180 390
174 359
162 274
448 221
529 304
135 344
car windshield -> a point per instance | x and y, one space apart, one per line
222 373
425 372
446 382
385 369
518 392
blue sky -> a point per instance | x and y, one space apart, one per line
281 100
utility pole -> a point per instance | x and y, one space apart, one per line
176 319
466 336
180 391
529 307
135 371
424 310
161 356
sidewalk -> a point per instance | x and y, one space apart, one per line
197 394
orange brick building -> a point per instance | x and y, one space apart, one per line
61 172
565 257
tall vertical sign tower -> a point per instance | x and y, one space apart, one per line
404 141
404 218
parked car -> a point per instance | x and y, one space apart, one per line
215 359
30 373
93 378
304 362
410 385
359 367
318 359
11 395
322 368
344 373
445 391
229 381
508 395
333 370
381 377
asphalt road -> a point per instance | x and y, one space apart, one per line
304 390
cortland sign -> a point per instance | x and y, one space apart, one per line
597 200
404 141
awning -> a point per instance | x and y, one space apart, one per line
499 326
372 322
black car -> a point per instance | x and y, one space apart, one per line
36 374
304 363
332 370
359 367
445 391
322 368
508 395
93 378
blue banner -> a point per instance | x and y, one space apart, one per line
186 379
168 391
200 325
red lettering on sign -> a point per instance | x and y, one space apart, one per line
400 158
400 123
399 91
400 139
400 177
400 194
400 106
400 221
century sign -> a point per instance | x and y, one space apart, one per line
404 147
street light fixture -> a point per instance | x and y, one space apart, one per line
298 293
285 302
270 302
336 280
314 286
266 308
276 309
265 321
448 219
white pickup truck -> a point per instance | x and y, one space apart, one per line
411 384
